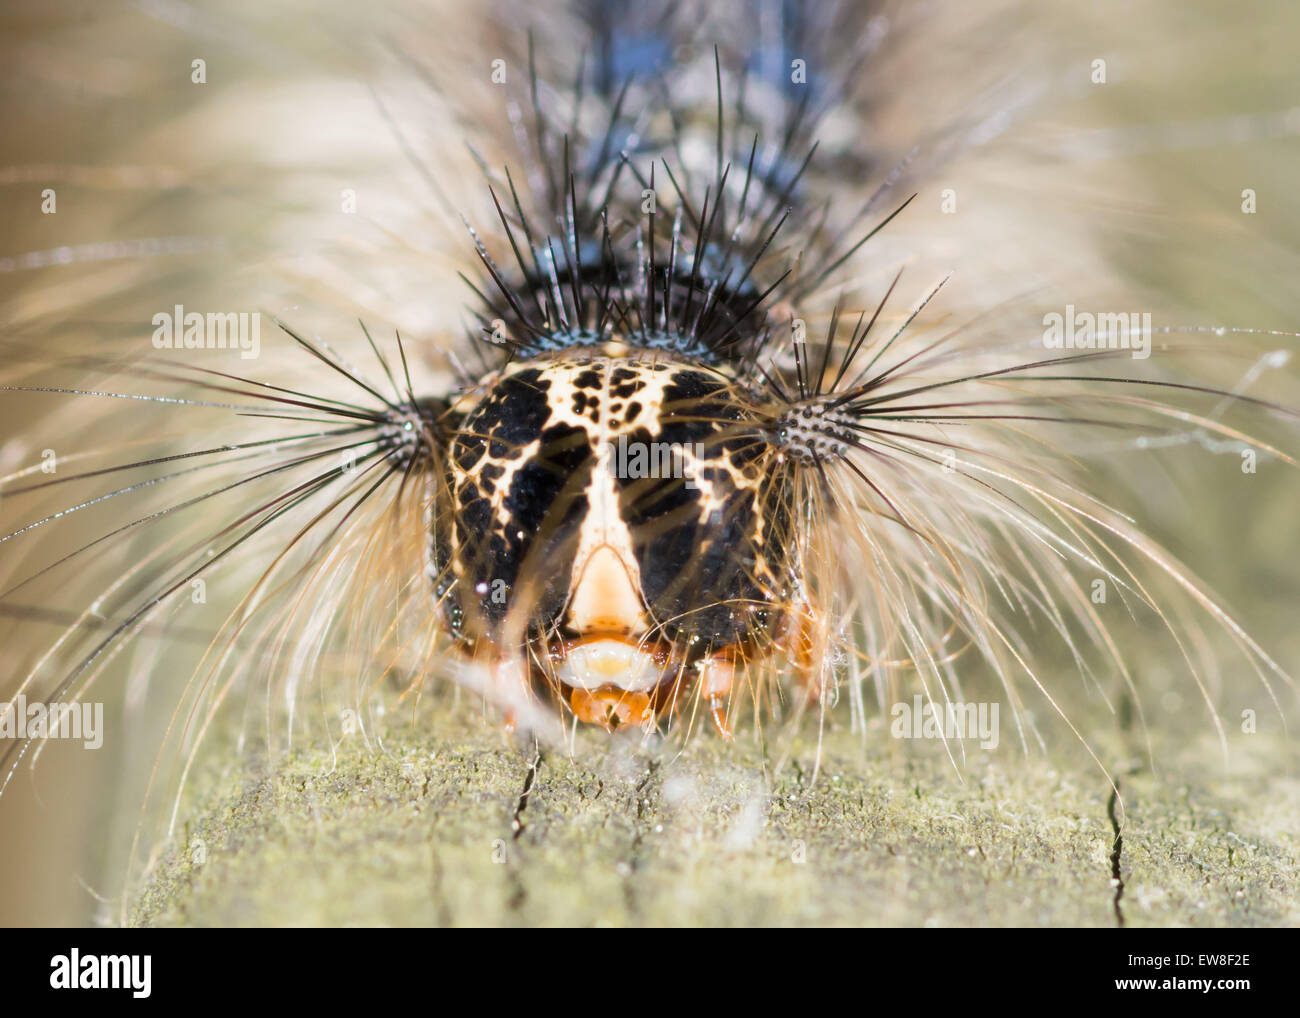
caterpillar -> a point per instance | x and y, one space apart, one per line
682 421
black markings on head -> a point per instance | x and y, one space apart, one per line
711 540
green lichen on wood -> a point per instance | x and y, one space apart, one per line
450 824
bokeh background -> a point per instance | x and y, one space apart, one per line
1125 194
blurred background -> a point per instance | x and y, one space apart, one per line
161 153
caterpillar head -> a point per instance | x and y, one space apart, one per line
621 513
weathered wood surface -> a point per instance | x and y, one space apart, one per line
452 825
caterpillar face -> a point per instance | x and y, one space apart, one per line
622 510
